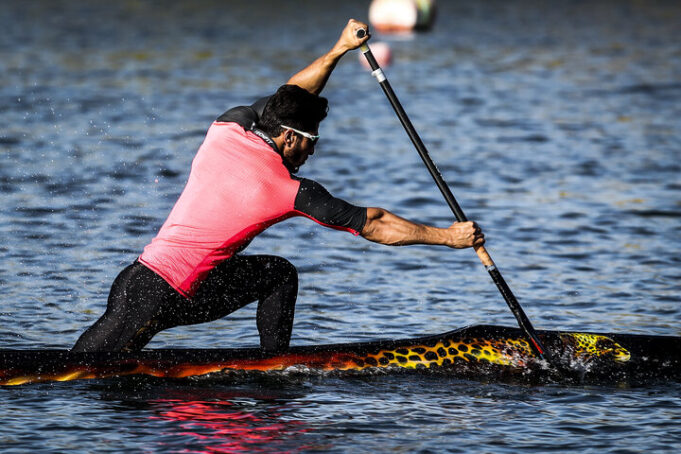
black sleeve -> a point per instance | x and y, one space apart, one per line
315 202
245 116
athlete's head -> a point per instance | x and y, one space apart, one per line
295 107
291 117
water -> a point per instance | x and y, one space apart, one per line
556 127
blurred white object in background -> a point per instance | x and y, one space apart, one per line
382 54
400 16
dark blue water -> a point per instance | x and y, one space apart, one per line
557 128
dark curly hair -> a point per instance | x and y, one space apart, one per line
293 106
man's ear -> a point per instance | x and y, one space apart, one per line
290 138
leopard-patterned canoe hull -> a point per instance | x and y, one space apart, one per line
483 352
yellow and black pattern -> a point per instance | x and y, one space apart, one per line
446 353
594 346
514 352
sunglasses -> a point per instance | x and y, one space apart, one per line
312 138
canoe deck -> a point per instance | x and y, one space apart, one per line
481 352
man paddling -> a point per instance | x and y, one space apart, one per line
241 182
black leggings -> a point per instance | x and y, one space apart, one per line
141 303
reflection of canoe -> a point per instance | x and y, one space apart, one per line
477 352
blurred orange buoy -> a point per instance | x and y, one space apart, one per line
382 54
399 16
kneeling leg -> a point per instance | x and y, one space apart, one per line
271 280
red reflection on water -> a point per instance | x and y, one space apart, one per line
219 427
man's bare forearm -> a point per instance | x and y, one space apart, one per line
313 78
384 227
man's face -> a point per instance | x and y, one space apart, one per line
297 148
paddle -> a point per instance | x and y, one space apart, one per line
485 258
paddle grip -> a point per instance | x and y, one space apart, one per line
484 256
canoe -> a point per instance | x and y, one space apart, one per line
480 352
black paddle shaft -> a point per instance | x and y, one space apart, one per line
498 279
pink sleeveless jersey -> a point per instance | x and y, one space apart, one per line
238 186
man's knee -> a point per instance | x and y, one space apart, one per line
285 270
